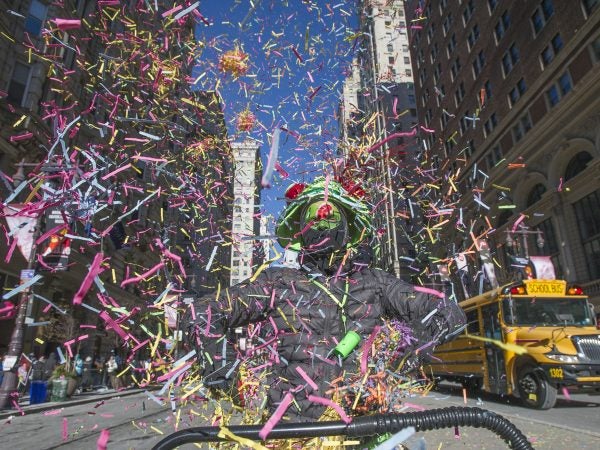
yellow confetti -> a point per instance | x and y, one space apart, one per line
518 349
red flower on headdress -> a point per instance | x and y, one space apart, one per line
354 189
324 211
294 191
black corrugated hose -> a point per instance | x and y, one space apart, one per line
364 426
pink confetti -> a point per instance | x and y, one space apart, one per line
65 430
308 379
21 137
143 276
276 417
390 137
367 348
67 24
330 403
95 269
427 290
102 440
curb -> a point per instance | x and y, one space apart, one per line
41 407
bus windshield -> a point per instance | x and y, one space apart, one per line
540 311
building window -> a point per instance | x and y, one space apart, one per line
447 23
587 213
595 47
487 87
433 54
517 92
390 60
589 6
494 156
552 95
430 32
443 6
35 17
408 72
502 26
521 128
388 23
478 64
405 48
489 125
455 68
390 47
465 121
17 89
565 83
468 12
451 45
492 5
473 36
436 73
459 94
470 149
510 59
535 195
577 164
406 60
440 93
551 50
541 15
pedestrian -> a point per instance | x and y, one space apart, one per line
112 370
23 376
100 372
86 378
49 366
37 369
318 315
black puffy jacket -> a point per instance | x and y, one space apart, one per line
311 313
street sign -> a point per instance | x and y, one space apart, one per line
27 274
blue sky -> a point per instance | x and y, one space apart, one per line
299 52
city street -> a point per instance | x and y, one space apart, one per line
570 424
135 422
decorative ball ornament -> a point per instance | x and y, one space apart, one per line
246 120
234 62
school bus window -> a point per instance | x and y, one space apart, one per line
542 311
472 322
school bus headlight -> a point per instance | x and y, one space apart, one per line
568 359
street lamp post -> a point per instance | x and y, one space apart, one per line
524 232
10 381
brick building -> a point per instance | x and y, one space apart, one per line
511 92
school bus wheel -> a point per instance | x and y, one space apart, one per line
534 389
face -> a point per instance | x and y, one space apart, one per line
324 228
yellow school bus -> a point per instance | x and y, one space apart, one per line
530 339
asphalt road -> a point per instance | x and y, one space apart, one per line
574 423
136 422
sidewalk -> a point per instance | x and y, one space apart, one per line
96 395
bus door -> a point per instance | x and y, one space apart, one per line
494 354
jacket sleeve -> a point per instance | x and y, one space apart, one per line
210 323
433 318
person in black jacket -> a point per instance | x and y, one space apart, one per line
317 322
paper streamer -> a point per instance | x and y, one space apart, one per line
331 404
95 269
102 440
271 160
21 288
276 417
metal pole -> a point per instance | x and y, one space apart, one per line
15 347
